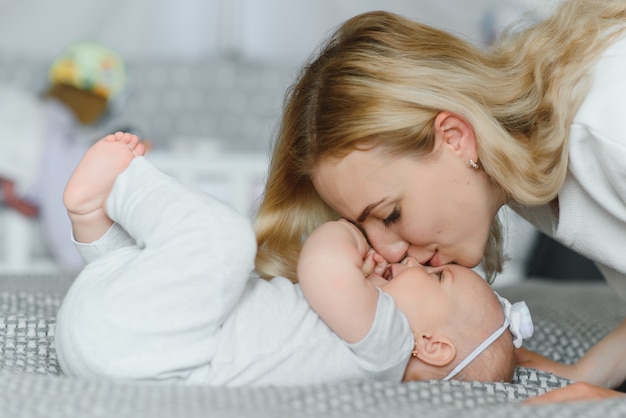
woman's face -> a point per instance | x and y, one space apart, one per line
436 208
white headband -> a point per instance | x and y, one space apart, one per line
516 318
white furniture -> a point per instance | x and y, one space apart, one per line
235 178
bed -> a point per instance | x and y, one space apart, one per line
569 317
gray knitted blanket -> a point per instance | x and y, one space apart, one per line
568 318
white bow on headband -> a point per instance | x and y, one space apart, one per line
520 321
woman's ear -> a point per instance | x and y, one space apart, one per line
436 351
454 130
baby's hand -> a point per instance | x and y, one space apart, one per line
373 263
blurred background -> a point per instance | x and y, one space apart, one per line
211 68
205 82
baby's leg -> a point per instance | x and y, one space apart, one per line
89 186
154 310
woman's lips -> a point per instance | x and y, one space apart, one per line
434 261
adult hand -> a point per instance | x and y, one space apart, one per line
575 392
533 360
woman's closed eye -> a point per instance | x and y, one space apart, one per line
393 217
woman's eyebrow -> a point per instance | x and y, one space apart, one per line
368 209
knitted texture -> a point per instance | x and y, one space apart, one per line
32 385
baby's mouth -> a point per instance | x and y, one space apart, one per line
388 273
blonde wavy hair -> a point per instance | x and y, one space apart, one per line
380 80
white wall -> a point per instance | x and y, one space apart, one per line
283 30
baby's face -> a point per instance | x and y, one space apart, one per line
433 295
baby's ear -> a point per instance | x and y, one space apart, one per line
436 350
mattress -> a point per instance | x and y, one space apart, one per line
569 318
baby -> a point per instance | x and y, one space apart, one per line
168 295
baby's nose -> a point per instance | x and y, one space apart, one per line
410 261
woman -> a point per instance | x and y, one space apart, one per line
420 138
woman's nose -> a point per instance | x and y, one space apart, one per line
407 263
393 250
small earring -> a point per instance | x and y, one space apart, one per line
474 165
414 352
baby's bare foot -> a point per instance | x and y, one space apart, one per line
89 186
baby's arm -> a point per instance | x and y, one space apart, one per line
331 274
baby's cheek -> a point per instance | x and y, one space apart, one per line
376 279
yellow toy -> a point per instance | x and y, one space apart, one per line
86 77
